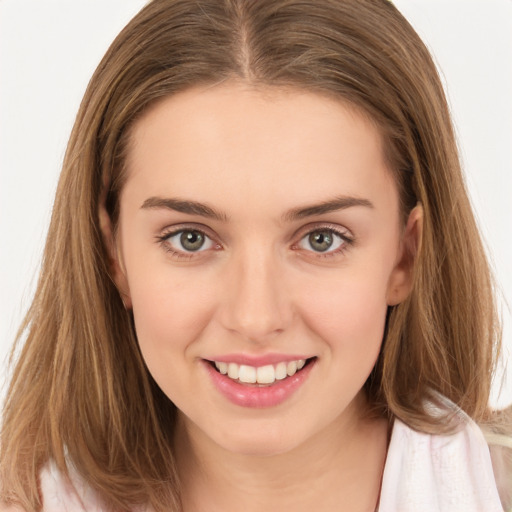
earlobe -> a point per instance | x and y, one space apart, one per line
116 265
401 279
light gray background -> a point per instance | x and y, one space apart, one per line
49 49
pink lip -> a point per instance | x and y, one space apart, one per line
250 395
257 361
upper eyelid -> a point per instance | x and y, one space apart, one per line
327 226
178 228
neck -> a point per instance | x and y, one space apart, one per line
340 466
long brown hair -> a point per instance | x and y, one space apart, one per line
81 394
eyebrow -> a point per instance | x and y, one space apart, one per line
184 206
333 205
301 212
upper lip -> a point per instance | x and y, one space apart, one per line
257 361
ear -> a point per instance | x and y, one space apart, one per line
401 279
116 264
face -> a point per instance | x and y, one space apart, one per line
259 235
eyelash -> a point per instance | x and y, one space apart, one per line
163 239
346 241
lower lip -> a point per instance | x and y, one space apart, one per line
254 396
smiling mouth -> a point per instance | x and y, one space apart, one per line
261 375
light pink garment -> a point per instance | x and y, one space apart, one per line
62 495
427 473
423 473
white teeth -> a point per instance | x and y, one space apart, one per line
233 369
265 374
222 367
281 371
247 374
261 375
291 368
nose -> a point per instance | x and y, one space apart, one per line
257 306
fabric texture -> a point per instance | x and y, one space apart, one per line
423 473
428 473
60 494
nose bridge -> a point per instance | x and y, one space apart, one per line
257 305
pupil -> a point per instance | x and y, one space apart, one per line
192 240
320 241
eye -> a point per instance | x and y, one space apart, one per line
188 241
324 240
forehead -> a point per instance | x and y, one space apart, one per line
284 145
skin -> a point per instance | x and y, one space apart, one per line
256 156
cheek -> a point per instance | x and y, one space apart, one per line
169 311
349 312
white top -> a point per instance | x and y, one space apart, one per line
423 473
429 473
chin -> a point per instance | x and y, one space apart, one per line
262 439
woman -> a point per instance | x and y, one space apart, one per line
256 281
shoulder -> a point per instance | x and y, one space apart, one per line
69 493
441 473
500 446
62 493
